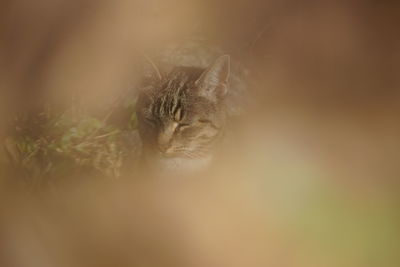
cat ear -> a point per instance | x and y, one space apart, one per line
213 83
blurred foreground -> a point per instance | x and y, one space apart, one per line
313 181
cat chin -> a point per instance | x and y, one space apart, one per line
183 164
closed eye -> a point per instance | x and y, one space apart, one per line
209 122
204 137
183 125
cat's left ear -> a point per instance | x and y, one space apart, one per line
213 83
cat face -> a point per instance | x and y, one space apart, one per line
183 116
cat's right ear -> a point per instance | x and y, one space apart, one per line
213 83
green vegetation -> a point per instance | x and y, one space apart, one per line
57 144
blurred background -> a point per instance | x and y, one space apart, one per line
316 177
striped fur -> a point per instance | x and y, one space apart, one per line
183 116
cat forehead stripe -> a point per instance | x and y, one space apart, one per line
170 97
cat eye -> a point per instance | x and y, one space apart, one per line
204 137
210 123
183 125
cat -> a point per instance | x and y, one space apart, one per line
182 118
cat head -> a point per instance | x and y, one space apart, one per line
183 115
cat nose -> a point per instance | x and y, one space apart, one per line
164 139
164 148
166 151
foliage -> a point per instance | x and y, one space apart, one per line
55 144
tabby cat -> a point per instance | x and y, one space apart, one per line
182 118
